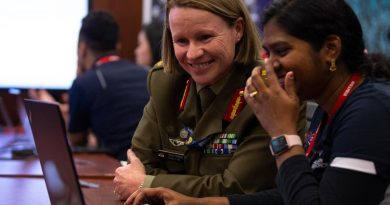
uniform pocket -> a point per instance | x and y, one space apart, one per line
214 164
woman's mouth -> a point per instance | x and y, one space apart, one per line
200 65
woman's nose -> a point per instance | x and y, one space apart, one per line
194 51
274 63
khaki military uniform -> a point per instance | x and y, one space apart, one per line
195 171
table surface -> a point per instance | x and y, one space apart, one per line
22 182
87 165
23 190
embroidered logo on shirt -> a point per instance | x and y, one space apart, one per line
319 163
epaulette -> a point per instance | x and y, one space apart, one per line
158 65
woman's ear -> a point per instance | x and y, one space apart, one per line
239 28
332 47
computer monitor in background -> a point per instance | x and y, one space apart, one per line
39 42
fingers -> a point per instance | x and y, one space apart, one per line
289 85
250 90
117 182
147 195
132 157
264 80
257 80
132 199
118 174
272 78
135 163
256 84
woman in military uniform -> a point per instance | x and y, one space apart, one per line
197 136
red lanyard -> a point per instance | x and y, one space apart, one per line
340 100
106 59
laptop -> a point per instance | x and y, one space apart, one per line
19 144
54 152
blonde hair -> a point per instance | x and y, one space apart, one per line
247 49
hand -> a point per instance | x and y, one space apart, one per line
276 108
160 196
129 178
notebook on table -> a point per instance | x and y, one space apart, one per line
54 152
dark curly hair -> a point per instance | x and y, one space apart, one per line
99 31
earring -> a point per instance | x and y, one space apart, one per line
333 65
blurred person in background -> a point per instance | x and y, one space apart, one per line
107 97
148 51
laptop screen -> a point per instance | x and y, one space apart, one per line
54 152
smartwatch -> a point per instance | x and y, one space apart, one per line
283 143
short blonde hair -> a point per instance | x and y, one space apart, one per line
248 49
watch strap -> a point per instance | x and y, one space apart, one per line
293 140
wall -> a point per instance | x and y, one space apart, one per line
128 13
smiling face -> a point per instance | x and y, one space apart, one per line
203 42
287 53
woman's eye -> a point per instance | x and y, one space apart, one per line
204 37
181 42
281 51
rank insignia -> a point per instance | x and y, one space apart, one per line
235 106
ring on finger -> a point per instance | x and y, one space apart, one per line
253 93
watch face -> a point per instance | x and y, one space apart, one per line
278 145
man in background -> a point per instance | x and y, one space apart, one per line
108 96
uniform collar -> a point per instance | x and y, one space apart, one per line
211 122
217 87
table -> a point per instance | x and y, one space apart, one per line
95 165
22 182
32 191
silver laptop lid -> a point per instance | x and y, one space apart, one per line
54 152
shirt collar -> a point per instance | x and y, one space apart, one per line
216 87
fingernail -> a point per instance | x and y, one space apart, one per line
291 76
275 64
257 70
